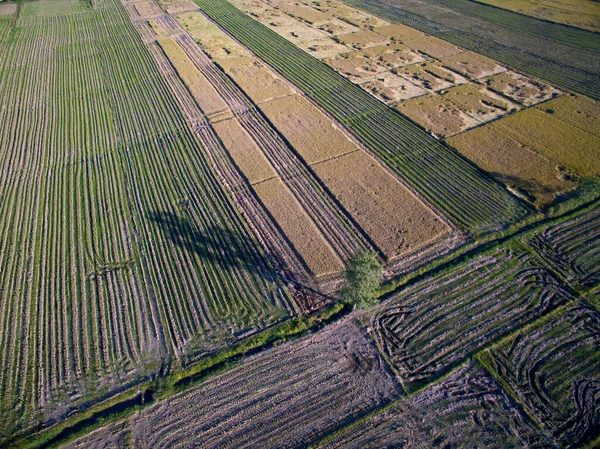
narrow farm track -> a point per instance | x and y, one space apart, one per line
459 190
118 242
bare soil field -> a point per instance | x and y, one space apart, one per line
177 6
436 324
438 115
306 13
479 102
565 144
418 41
473 65
298 227
524 90
553 368
391 88
393 55
514 164
466 409
289 397
259 82
8 8
431 76
577 110
394 218
354 16
363 39
336 26
356 66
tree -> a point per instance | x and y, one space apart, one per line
362 279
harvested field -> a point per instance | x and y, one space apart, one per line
298 227
8 8
436 324
430 76
467 409
514 164
391 88
177 6
553 368
289 397
393 55
355 66
258 81
566 145
336 26
146 9
573 249
479 102
473 65
311 133
352 15
576 110
39 9
437 115
363 39
306 13
114 436
244 151
201 89
158 28
418 41
526 91
394 218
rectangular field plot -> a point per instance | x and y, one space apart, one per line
579 111
553 368
418 41
522 89
431 76
289 397
479 102
434 325
391 88
573 248
472 65
467 409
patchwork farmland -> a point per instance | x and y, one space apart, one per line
276 223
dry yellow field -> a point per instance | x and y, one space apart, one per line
479 102
431 76
158 29
473 65
391 88
177 6
577 13
362 39
393 55
201 89
306 13
565 144
393 217
437 115
244 151
259 82
520 88
355 66
356 17
310 132
513 163
579 111
336 26
298 227
417 40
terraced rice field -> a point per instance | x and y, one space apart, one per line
118 243
553 368
573 248
468 198
467 408
436 324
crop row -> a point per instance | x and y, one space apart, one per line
119 247
524 51
436 324
454 186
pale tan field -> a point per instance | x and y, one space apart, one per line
391 88
419 41
201 89
306 13
577 13
437 115
526 91
214 41
565 144
336 26
177 6
513 163
473 65
362 39
431 76
310 132
579 111
298 227
244 151
393 55
259 82
355 65
9 8
145 9
353 15
392 216
479 102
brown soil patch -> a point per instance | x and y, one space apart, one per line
473 65
244 151
201 89
311 133
259 82
359 18
145 9
431 76
298 227
306 13
355 65
393 55
565 144
9 8
337 26
177 6
526 91
579 111
394 218
480 102
419 41
361 39
513 163
437 115
391 88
